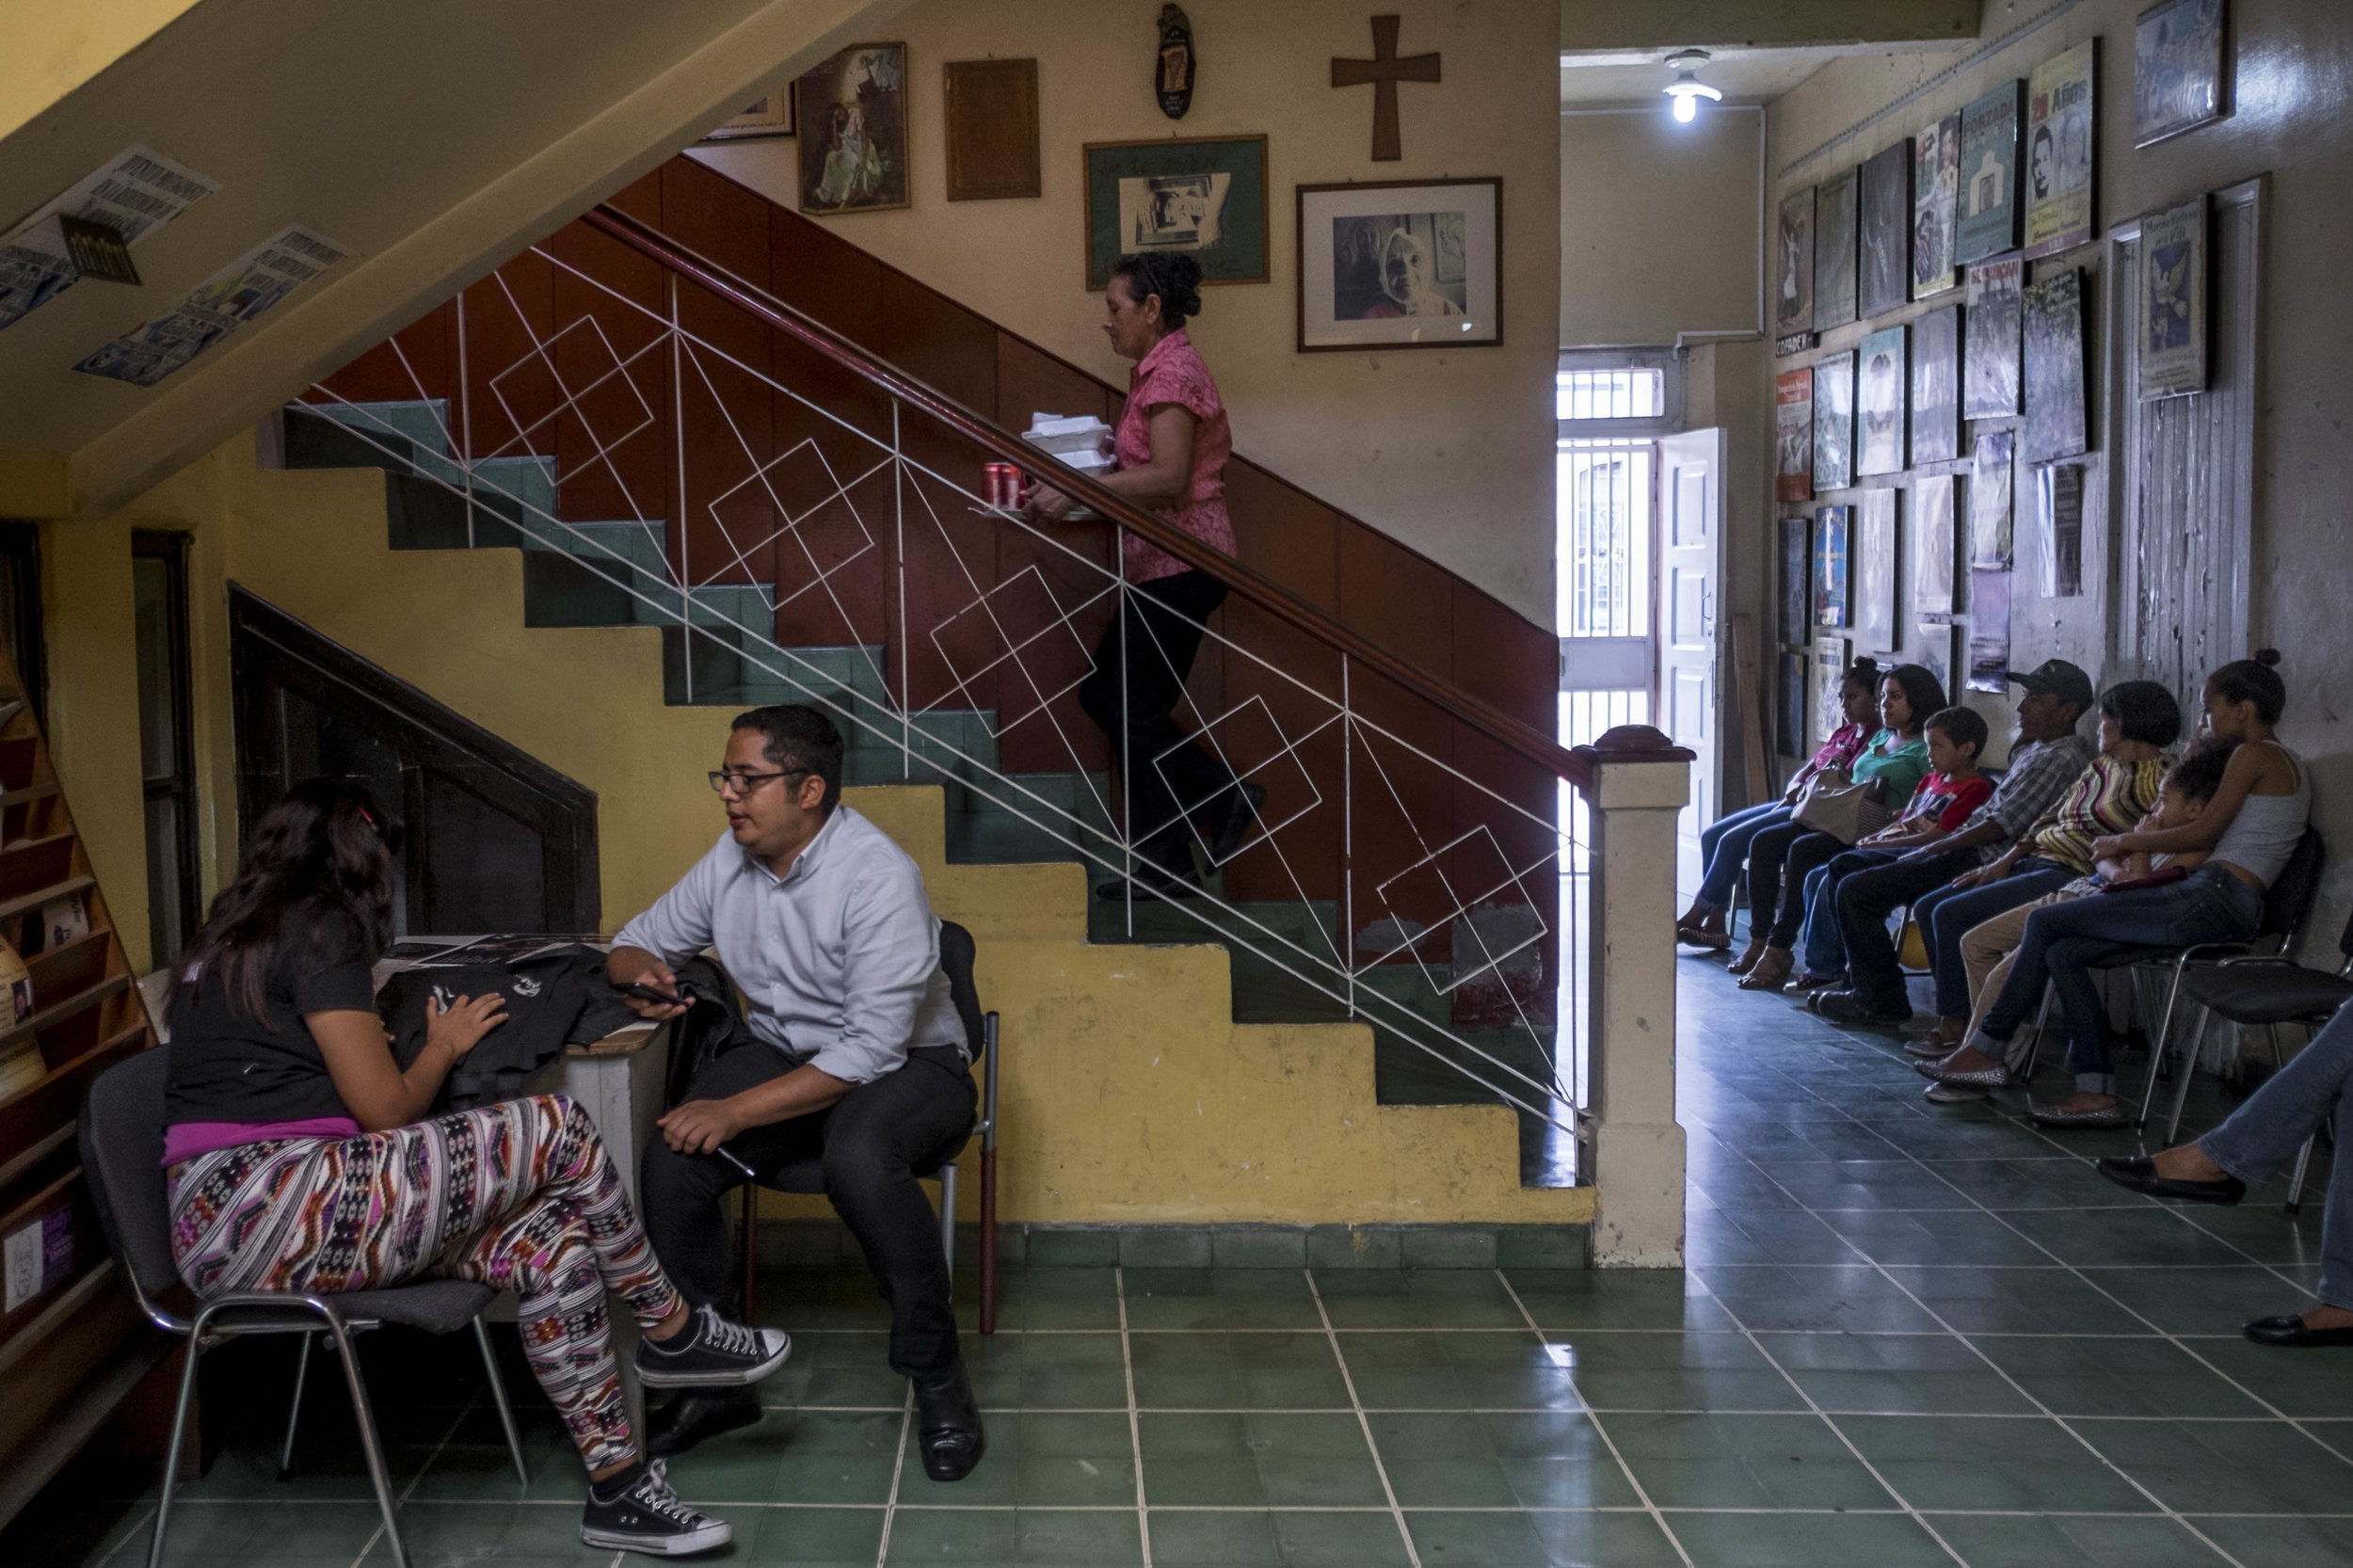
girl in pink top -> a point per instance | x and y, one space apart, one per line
1172 444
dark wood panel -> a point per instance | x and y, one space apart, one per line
826 276
941 344
1394 596
1286 534
1504 658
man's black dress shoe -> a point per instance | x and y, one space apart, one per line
696 1414
1848 1007
2290 1331
2140 1173
948 1426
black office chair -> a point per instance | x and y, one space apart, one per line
123 1152
808 1175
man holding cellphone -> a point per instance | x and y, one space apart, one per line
852 1051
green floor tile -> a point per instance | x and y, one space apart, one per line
1046 1371
2040 1300
2213 1300
1069 1538
2117 1377
1220 1299
1483 1369
1742 1461
809 1537
1416 1297
1519 1540
1855 1299
1567 1299
1259 1461
1989 1463
1806 1541
2043 1542
1237 1371
1895 1373
2226 1466
1036 1460
2282 1542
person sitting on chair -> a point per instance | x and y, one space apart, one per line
854 1056
300 1157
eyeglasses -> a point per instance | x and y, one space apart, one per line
741 784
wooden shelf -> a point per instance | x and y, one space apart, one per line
39 896
27 795
45 1018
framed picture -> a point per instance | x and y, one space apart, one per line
1991 468
853 154
1996 315
1936 386
1832 602
1935 196
1797 558
990 111
1793 307
1792 435
1989 630
2170 316
1883 221
1207 196
1988 174
1828 706
2062 144
1834 251
1401 263
770 115
1936 642
1875 547
1834 421
2059 514
1790 742
2056 423
1881 383
1935 549
2178 81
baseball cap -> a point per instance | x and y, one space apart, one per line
2059 678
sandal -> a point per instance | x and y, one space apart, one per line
1719 941
1769 970
1749 955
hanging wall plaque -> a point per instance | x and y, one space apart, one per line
1172 64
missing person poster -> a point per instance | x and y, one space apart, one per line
243 289
135 193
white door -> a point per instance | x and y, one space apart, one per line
1691 564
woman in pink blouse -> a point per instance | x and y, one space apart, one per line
1172 444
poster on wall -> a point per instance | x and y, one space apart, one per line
852 115
133 193
2177 68
1833 601
2056 425
1834 251
1935 546
1797 560
1834 421
1936 644
246 287
2173 304
1204 197
1793 298
1792 435
1989 630
1995 320
1988 174
1936 386
2063 142
1876 566
1935 198
1791 740
1991 468
1879 404
2059 516
1829 708
1883 277
1400 264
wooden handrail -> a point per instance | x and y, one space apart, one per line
1516 734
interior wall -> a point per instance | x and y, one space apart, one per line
2292 90
1450 452
1659 224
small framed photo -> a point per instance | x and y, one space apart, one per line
1833 565
2173 304
854 155
771 116
1401 263
1204 196
1831 656
2178 78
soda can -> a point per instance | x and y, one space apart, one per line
1001 485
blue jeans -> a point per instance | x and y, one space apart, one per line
1724 851
1948 914
2265 1134
2064 943
1821 939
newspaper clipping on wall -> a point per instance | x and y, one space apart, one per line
226 300
135 193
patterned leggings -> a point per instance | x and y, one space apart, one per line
519 1195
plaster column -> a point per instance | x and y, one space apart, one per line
1640 783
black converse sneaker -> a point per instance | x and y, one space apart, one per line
711 1351
640 1514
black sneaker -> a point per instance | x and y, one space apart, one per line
645 1515
711 1351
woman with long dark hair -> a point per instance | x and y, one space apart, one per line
297 1162
1780 857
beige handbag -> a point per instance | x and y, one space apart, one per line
1842 809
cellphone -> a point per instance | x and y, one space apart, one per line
685 996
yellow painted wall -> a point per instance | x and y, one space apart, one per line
54 49
1449 452
1659 224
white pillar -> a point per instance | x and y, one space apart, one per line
1640 783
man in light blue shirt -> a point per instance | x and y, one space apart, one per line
853 1053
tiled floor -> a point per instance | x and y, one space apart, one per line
1908 1336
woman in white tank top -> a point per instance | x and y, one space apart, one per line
2249 829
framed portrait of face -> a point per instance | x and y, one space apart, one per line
1401 263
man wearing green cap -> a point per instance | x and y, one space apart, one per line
2046 760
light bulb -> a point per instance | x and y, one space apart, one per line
1687 107
1686 89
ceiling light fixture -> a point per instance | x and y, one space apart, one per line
1686 89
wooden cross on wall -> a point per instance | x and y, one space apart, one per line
1384 71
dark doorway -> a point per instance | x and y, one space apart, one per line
159 583
492 839
20 612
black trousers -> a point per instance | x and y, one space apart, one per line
1865 901
871 1142
1132 693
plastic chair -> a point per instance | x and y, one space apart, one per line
121 1136
808 1175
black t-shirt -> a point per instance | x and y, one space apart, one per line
228 1066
